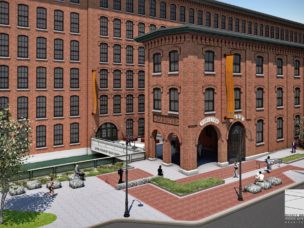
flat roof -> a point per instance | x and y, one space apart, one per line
189 28
249 12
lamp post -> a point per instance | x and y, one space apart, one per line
127 213
240 195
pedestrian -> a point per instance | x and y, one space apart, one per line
160 171
236 167
120 173
51 187
268 164
259 177
293 147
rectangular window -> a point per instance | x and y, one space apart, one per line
41 48
75 1
141 127
163 10
74 133
104 53
4 77
237 25
223 22
41 78
58 20
182 14
200 17
215 21
104 4
117 5
141 79
255 29
74 106
129 6
261 30
129 128
191 16
74 50
208 19
4 45
129 56
230 23
22 108
58 134
22 77
103 83
41 22
129 80
103 105
117 53
117 28
259 132
173 12
74 78
153 8
173 100
129 30
237 99
4 13
249 27
74 22
142 7
279 128
141 55
4 102
141 103
58 78
40 136
58 49
117 104
22 46
103 26
41 107
129 104
243 26
58 106
23 15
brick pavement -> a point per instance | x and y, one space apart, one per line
223 173
205 203
133 174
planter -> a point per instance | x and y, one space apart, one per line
134 183
253 188
57 184
16 190
274 180
33 184
264 184
76 183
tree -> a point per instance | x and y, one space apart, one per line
14 148
299 130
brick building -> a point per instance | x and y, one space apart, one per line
49 48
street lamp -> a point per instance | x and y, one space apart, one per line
127 213
240 194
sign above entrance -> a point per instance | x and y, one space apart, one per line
239 117
208 120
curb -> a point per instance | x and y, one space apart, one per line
204 220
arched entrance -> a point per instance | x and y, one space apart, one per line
236 142
207 146
159 140
175 149
107 131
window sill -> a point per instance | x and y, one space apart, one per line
259 75
103 115
103 62
280 76
157 74
5 90
103 89
156 111
260 144
59 118
41 30
129 89
141 88
238 110
41 148
42 60
280 107
5 57
74 89
25 90
21 27
117 89
259 109
130 113
237 74
41 119
280 140
4 25
101 36
141 112
41 89
297 77
173 113
117 38
74 61
141 64
212 73
59 89
173 73
297 106
129 39
74 144
58 146
74 117
116 114
59 60
75 33
130 64
58 31
117 63
210 113
23 59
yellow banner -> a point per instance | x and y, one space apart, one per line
94 90
229 87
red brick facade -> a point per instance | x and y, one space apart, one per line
90 40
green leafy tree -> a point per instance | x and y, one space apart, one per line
299 131
14 148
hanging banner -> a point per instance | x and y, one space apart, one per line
94 90
229 87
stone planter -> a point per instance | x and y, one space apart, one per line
57 184
16 190
274 180
264 184
134 183
253 188
33 184
76 183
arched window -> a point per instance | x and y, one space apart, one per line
141 29
58 49
156 63
141 127
209 100
41 48
74 78
279 67
3 103
23 15
41 18
141 55
259 65
74 50
4 13
74 105
259 131
41 78
297 95
297 125
259 98
129 104
103 104
141 103
157 99
280 128
58 106
117 53
129 80
40 136
129 128
58 78
173 12
129 29
103 53
296 68
209 61
117 104
129 55
74 133
279 97
173 100
117 28
191 16
182 14
58 20
4 45
104 26
4 77
237 63
22 108
103 83
117 79
107 131
41 107
152 28
237 99
22 46
173 61
22 77
141 79
58 134
163 8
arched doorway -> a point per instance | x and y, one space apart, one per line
107 131
175 149
236 142
207 146
159 140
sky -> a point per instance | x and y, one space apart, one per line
288 9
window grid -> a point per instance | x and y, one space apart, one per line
58 49
104 53
40 136
58 106
141 29
4 102
129 6
280 128
58 78
297 95
41 107
58 20
237 63
237 99
209 100
163 9
129 55
41 78
129 128
103 105
142 7
117 53
129 80
141 103
141 79
41 19
129 104
117 104
279 66
41 48
104 26
215 21
22 80
23 15
74 106
174 61
117 28
260 98
74 78
74 133
152 8
259 131
209 61
104 3
157 63
74 22
173 12
117 5
173 100
22 107
117 79
223 22
182 14
279 97
58 134
200 17
4 13
4 77
259 65
141 55
141 127
103 83
191 16
129 30
297 68
297 126
22 46
4 45
74 50
157 99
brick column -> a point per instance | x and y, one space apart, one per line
167 152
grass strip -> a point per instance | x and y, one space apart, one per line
293 157
182 189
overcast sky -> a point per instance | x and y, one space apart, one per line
288 9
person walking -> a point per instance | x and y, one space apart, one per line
235 167
293 147
51 187
268 164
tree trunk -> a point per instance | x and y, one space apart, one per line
3 197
